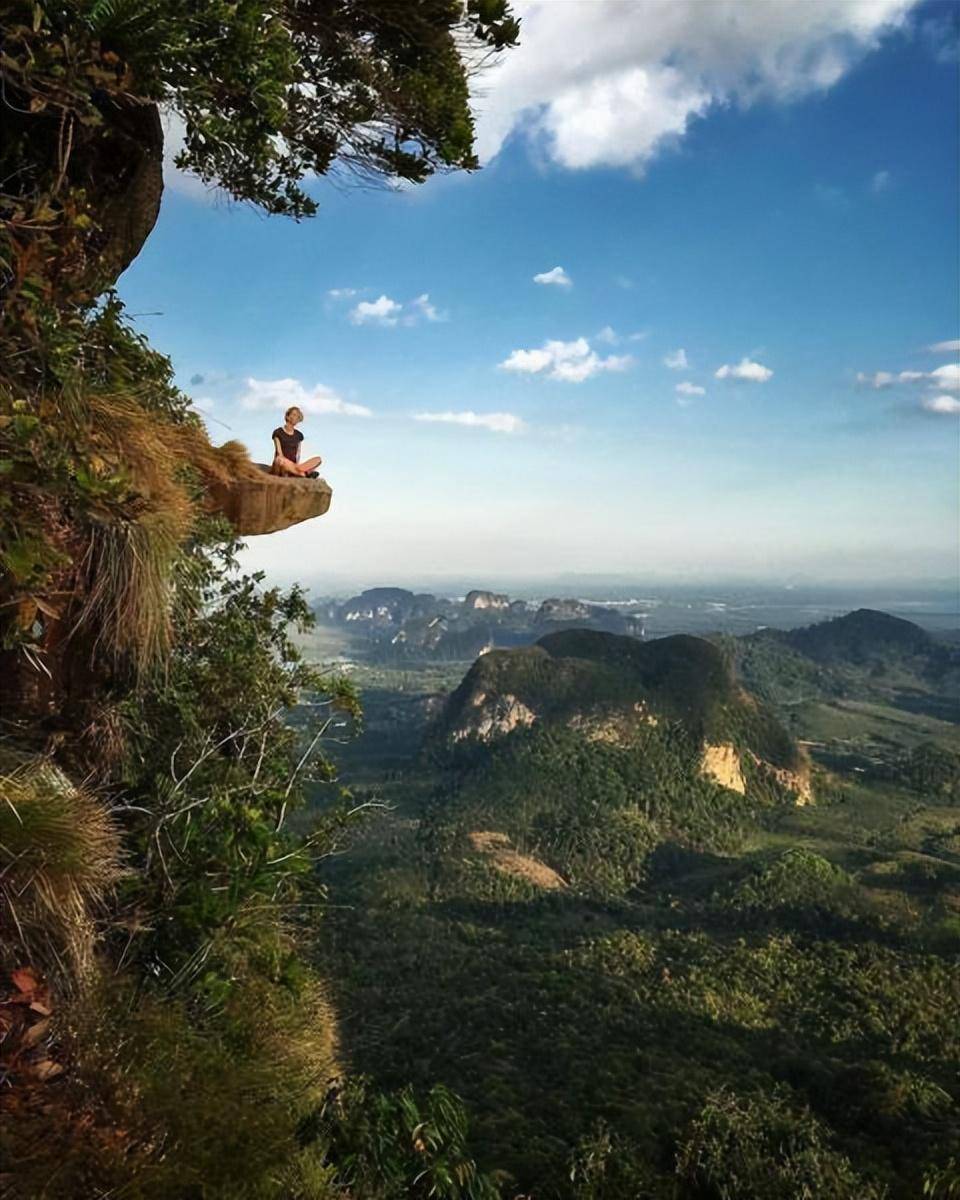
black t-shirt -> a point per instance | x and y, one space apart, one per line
289 442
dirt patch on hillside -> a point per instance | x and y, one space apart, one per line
496 846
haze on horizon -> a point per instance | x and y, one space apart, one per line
696 318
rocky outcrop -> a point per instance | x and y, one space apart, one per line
798 781
562 610
493 716
260 502
721 763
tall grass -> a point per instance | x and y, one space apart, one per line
59 857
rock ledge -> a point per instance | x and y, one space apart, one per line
265 503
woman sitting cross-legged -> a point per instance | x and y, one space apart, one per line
287 440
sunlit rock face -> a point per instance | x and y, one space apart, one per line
268 503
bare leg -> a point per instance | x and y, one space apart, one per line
283 466
310 465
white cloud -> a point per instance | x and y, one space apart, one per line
640 336
382 311
554 278
880 182
690 389
951 347
745 369
609 336
569 362
879 379
676 360
941 404
947 377
423 307
284 393
885 379
602 83
496 422
388 312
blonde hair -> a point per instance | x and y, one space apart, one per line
293 409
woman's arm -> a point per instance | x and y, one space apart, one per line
277 451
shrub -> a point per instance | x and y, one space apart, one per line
762 1147
796 879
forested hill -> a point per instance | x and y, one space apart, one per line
582 676
863 636
862 654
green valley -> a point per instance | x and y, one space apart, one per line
643 983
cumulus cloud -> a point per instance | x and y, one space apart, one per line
641 72
947 377
941 404
951 347
496 422
342 293
382 311
690 389
285 393
880 182
569 362
752 372
608 335
676 360
557 277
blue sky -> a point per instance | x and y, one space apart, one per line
771 189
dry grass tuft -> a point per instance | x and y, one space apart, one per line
128 565
59 857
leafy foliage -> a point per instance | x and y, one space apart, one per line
391 1146
759 1146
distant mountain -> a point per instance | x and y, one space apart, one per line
400 625
391 605
480 601
865 654
862 637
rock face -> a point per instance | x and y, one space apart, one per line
265 503
494 716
